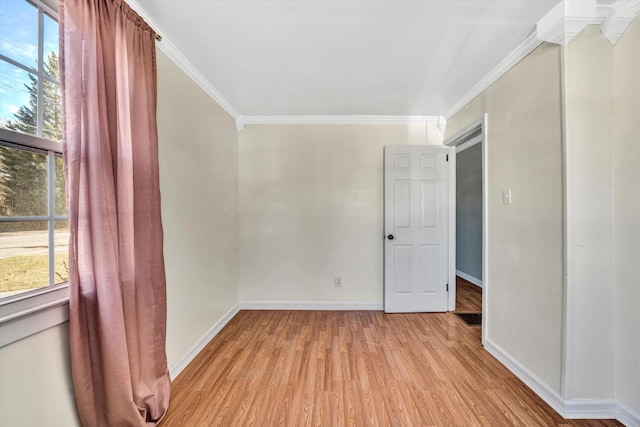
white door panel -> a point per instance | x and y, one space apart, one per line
416 186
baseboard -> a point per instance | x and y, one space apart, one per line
538 386
566 408
590 409
310 305
469 278
627 416
202 342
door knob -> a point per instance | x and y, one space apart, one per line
390 237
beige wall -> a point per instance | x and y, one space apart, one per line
602 86
626 207
525 252
199 185
311 209
35 381
588 86
602 205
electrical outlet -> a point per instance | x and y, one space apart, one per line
338 281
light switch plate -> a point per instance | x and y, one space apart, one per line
506 197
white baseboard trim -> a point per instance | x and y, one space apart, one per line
469 278
627 416
538 386
202 342
566 408
591 409
310 305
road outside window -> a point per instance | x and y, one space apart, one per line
33 223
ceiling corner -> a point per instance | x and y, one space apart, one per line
518 54
570 17
169 49
442 123
567 20
240 123
618 18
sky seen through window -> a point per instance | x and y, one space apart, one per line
19 43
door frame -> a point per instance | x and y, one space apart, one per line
475 132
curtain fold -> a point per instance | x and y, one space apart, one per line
116 266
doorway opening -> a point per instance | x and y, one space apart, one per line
470 219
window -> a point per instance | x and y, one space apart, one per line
33 223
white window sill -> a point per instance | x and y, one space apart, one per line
29 313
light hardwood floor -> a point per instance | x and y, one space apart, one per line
468 296
352 368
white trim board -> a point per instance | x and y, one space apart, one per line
538 386
466 134
524 49
627 416
311 305
469 144
452 287
337 120
469 278
485 227
478 131
177 367
190 70
566 408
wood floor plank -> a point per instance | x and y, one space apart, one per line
468 296
352 368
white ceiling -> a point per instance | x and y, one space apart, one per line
344 57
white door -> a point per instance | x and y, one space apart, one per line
416 227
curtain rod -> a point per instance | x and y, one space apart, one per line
158 37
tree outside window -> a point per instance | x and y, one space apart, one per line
33 224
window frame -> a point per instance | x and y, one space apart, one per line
29 312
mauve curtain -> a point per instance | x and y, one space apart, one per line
116 266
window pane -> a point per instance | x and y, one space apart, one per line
23 183
24 256
61 252
61 197
50 47
19 100
19 32
52 110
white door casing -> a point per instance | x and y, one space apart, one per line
478 128
416 228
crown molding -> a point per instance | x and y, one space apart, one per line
184 64
567 20
190 70
618 18
442 124
570 17
335 120
564 30
525 48
559 26
613 19
240 123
